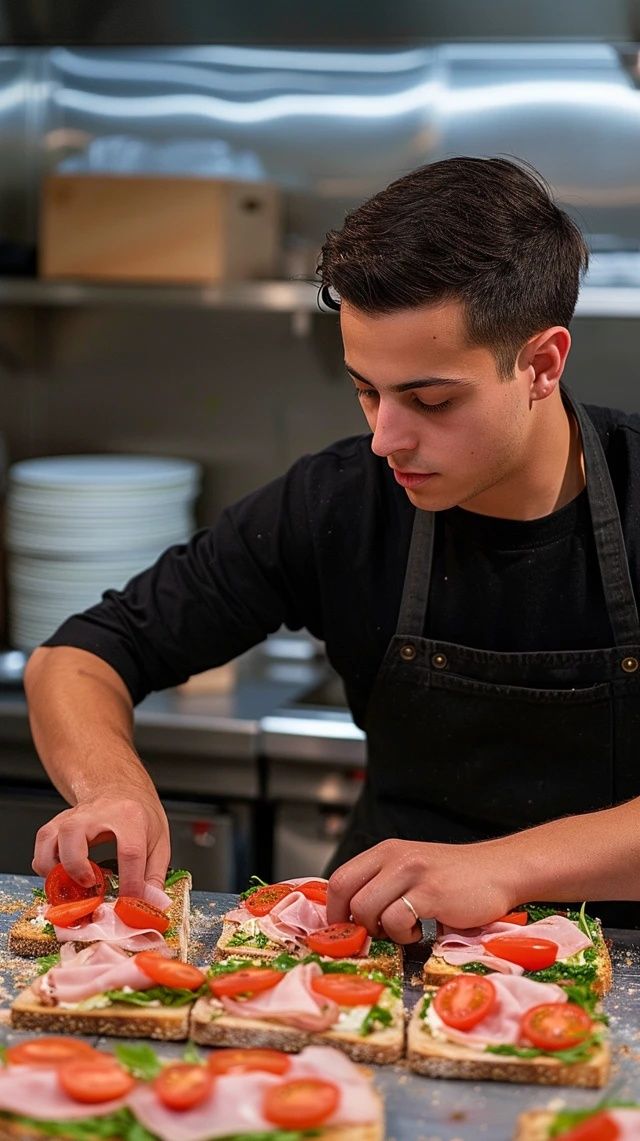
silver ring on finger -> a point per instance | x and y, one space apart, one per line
407 902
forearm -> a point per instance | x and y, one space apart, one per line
594 856
81 718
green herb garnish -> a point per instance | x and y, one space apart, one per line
240 939
475 969
167 996
567 1119
39 894
579 1053
375 1017
426 1003
175 874
46 962
381 947
120 1124
48 929
255 883
139 1059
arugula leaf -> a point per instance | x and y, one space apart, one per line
39 894
475 968
175 874
254 884
583 996
46 962
168 996
241 940
285 962
192 1054
584 972
374 1017
139 1059
580 1053
226 966
48 929
121 1124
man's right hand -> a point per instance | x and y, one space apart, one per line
138 825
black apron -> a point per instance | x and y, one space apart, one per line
467 744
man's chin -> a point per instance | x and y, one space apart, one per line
432 498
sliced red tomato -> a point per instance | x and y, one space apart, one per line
138 913
51 1051
348 990
338 940
249 1060
169 972
94 1080
465 1000
315 890
248 980
520 918
555 1025
60 888
66 914
183 1085
261 901
300 1103
600 1127
532 954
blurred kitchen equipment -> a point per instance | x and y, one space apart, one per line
78 525
158 228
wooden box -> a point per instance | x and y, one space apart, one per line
158 229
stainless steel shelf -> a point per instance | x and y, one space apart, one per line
251 296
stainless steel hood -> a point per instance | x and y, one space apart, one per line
93 23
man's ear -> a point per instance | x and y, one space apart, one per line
544 357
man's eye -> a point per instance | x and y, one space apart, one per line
366 393
444 404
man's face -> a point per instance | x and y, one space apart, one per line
452 429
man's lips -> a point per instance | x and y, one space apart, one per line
412 479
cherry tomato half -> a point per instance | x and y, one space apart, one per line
169 972
60 888
183 1085
519 918
51 1051
348 990
338 940
248 980
555 1025
600 1127
248 1061
94 1080
66 914
315 890
262 900
465 1000
532 954
138 913
300 1103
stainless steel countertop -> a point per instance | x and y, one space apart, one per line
416 1108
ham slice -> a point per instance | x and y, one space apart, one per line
628 1122
107 927
35 1092
292 918
235 1104
460 947
291 1001
93 970
502 1026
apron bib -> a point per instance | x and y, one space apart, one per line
467 744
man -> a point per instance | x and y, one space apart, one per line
473 567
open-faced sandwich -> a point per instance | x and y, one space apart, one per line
65 912
510 1029
537 942
606 1122
289 1004
104 990
65 1088
291 916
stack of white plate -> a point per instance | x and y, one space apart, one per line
78 525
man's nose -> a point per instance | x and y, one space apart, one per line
392 433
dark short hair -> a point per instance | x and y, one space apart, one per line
482 231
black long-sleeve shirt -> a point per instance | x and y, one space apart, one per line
325 547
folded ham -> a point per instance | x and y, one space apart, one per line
291 1001
107 927
33 1091
628 1122
460 947
291 919
235 1104
502 1026
93 970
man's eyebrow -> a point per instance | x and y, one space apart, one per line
407 385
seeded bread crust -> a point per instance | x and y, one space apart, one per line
389 965
30 941
120 1020
534 1125
437 1059
380 1048
436 971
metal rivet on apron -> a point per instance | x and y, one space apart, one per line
439 661
408 653
629 665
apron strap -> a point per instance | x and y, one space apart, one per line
417 579
607 532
